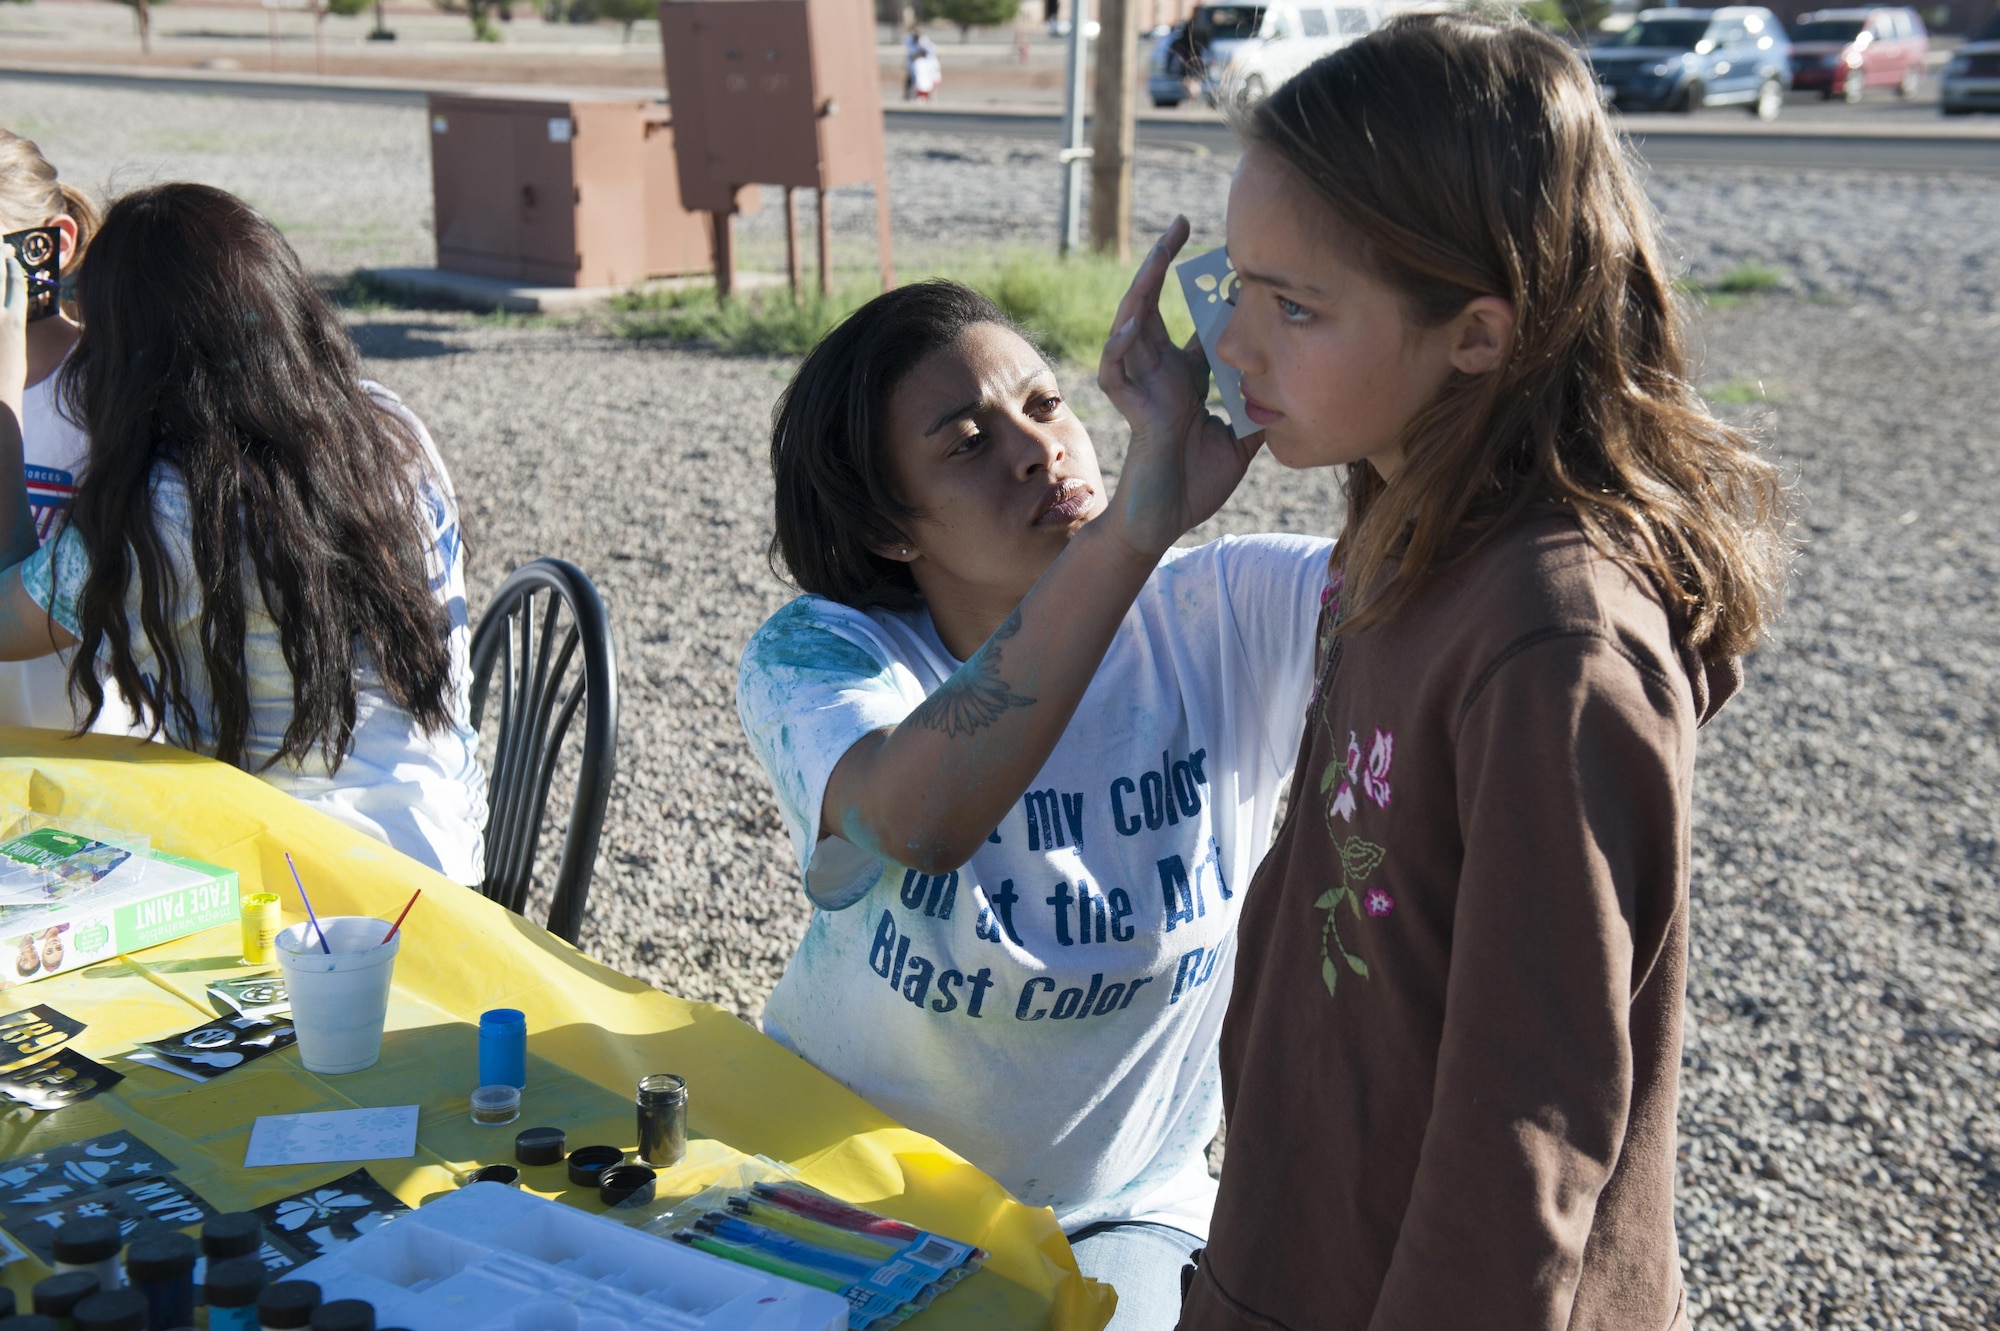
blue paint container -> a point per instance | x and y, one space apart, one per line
503 1048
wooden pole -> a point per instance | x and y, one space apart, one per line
825 244
725 254
274 40
319 37
792 243
1114 124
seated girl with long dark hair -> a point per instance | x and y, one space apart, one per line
263 553
1028 754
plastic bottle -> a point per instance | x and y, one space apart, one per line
111 1310
287 1305
344 1315
58 1295
234 1234
92 1245
503 1048
161 1267
30 1322
232 1288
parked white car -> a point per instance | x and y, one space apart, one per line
1247 50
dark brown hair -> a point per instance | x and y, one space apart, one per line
835 504
205 348
1468 157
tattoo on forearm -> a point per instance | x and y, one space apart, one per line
975 697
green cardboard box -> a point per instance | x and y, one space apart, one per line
171 897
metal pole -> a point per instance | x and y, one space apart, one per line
1074 154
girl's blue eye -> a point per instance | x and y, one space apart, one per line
1291 309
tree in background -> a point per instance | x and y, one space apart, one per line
626 12
142 13
970 14
482 13
1580 17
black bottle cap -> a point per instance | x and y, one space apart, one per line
158 1257
588 1163
506 1174
29 1322
344 1315
235 1234
288 1304
234 1282
111 1310
626 1183
539 1146
92 1239
57 1295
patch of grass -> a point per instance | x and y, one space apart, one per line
1739 283
1741 393
364 295
1065 305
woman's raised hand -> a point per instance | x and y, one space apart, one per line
1182 463
13 334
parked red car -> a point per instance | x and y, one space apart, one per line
1845 52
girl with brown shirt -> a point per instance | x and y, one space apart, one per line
1449 1065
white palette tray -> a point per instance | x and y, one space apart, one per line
493 1258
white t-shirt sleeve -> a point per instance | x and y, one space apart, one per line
816 678
1272 589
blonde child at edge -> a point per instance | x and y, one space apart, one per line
36 692
1449 1064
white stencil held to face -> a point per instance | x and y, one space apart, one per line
1209 283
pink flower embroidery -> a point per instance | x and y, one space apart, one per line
1343 802
1380 754
1353 757
1377 902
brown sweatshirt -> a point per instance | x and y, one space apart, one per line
1450 1060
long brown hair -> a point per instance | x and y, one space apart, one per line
31 194
207 349
1470 157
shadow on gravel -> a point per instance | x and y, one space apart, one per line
398 341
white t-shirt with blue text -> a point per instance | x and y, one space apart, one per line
424 794
1051 1010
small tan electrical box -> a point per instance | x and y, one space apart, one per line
562 193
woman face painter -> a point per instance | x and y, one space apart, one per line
1028 752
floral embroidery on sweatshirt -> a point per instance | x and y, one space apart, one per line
1359 857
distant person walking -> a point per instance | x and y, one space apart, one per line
921 71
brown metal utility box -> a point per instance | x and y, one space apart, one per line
775 92
561 193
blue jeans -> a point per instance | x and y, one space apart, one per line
1143 1262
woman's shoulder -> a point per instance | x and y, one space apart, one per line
813 635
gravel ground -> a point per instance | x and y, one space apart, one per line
1840 1132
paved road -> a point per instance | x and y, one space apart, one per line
1894 140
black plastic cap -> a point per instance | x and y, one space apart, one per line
57 1295
626 1183
111 1310
588 1163
506 1174
234 1282
158 1257
540 1146
288 1304
29 1322
344 1315
235 1234
92 1239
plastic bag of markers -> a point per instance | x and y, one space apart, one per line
888 1271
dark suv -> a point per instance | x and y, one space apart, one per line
1972 80
1685 59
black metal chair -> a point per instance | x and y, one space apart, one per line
539 700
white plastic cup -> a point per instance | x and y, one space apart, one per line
339 999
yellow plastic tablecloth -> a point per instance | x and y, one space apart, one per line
592 1033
